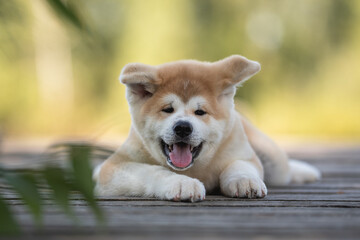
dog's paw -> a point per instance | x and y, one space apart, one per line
244 186
183 188
302 172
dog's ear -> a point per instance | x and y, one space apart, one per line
236 70
140 79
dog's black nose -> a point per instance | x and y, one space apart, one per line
183 129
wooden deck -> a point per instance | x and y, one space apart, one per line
329 209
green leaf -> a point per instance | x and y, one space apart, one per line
79 157
8 225
55 178
25 186
80 160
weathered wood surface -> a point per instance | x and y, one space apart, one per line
329 209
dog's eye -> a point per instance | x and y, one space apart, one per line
168 110
200 112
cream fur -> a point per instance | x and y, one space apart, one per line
235 156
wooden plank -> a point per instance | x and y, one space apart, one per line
126 211
215 220
224 204
274 195
329 209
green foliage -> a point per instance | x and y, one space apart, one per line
8 224
68 12
82 173
56 179
26 186
63 182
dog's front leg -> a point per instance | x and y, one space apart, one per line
242 179
139 179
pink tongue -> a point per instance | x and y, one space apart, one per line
181 156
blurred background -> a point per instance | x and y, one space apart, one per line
60 62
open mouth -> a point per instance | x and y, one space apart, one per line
180 156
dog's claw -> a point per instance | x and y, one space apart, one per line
262 193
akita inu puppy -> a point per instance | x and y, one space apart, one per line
186 137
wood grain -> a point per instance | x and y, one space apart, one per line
329 209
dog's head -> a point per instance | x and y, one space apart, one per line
183 110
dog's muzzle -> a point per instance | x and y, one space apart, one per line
181 152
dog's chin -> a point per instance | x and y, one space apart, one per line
180 156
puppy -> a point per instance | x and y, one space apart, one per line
186 137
